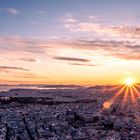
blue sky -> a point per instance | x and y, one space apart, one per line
42 18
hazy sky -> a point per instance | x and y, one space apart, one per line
69 41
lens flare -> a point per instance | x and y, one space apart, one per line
107 105
129 91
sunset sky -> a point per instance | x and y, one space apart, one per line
85 42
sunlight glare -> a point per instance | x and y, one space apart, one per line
129 81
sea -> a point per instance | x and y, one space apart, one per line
7 87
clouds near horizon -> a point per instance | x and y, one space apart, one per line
7 68
70 59
119 49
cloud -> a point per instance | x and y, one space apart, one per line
24 59
120 31
75 61
29 75
28 59
17 43
69 19
71 59
41 12
117 49
128 52
82 64
17 48
7 68
12 11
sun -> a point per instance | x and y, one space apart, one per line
129 81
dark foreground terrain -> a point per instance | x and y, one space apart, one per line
67 114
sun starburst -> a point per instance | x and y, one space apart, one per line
129 81
129 92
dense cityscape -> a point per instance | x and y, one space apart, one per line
67 114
